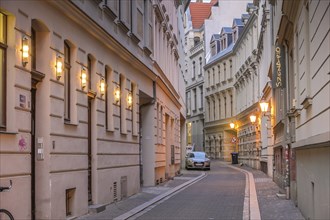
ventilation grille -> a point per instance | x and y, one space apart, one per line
115 198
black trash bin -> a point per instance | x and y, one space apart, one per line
234 158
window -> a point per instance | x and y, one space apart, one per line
219 74
213 50
208 110
67 81
231 105
69 199
193 71
219 107
224 71
196 40
89 77
3 47
235 35
109 98
123 103
125 12
213 76
213 109
195 100
33 49
188 102
200 66
148 25
208 78
134 109
202 96
225 101
231 68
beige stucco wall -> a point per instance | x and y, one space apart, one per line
313 182
115 152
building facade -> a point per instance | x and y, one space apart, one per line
90 102
301 103
232 91
264 60
194 72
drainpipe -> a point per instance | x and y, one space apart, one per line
151 102
287 124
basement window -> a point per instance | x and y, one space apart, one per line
69 197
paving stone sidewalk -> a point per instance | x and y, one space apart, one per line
146 194
271 206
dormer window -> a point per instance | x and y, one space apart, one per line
235 35
223 41
213 48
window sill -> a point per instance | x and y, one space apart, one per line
8 132
70 123
110 130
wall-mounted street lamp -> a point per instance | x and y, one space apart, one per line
263 106
83 77
25 50
129 100
59 66
232 125
102 86
117 94
253 118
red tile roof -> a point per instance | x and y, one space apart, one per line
199 12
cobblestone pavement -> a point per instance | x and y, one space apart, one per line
146 194
220 195
271 206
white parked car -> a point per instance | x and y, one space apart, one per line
197 160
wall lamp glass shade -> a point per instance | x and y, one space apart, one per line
129 100
83 78
253 118
117 94
232 125
25 50
102 86
59 67
264 106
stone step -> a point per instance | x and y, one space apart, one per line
96 208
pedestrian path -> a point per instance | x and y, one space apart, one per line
271 206
263 203
148 196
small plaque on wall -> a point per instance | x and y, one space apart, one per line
22 101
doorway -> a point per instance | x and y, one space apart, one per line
33 158
36 78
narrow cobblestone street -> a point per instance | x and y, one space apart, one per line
219 194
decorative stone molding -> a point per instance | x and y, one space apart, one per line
110 12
